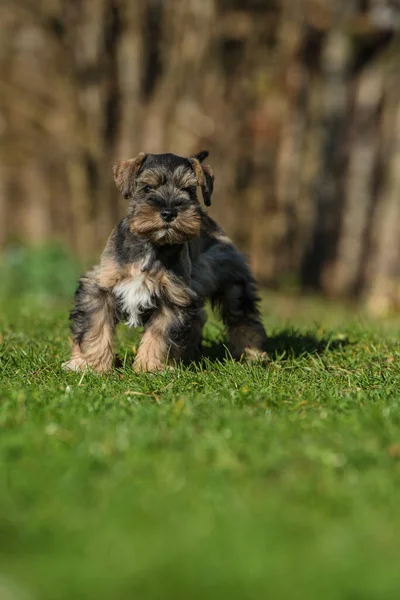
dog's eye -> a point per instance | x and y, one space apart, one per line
188 190
147 189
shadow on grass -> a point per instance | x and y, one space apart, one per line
294 344
285 344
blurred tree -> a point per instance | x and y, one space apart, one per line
297 100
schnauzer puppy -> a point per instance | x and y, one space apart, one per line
160 264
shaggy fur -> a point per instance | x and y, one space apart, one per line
160 265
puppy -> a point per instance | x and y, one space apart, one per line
163 260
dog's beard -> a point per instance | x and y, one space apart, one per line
148 223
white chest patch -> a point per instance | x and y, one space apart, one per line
135 296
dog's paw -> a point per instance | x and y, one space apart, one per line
75 364
254 355
151 366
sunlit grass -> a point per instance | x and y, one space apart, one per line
217 480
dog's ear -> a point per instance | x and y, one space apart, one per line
205 178
202 155
125 173
208 184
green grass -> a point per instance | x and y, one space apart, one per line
218 481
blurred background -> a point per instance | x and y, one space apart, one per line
298 102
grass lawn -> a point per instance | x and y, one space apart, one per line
218 481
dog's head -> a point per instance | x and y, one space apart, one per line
162 189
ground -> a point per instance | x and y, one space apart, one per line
221 480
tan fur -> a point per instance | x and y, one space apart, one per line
77 362
97 347
153 350
173 290
201 178
220 236
153 177
208 170
147 221
183 178
198 170
188 223
125 173
96 351
108 273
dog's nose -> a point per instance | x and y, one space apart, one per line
168 215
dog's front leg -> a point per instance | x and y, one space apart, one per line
166 337
93 322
